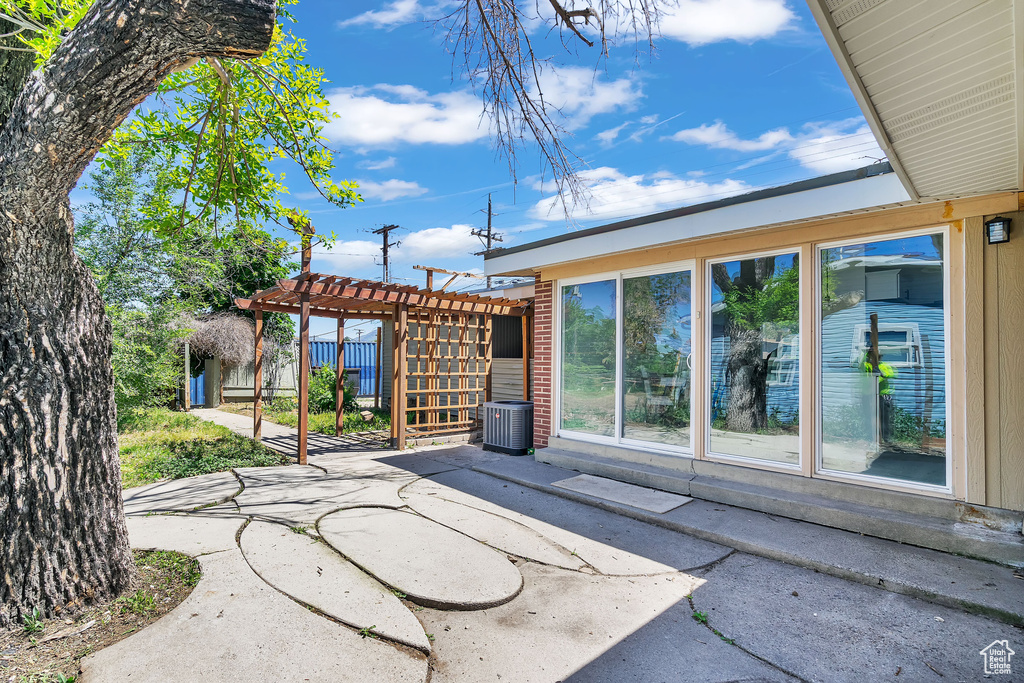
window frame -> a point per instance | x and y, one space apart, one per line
713 455
914 344
947 304
618 276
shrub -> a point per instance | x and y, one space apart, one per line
322 391
145 360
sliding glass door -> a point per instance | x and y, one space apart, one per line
883 359
753 358
588 362
657 358
626 359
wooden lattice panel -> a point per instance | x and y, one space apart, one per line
449 359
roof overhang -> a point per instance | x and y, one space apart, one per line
763 209
940 83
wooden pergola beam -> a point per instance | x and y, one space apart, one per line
409 296
248 305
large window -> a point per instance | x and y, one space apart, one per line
753 368
883 359
656 361
588 357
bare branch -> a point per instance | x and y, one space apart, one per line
492 40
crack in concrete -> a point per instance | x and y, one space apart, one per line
397 644
556 544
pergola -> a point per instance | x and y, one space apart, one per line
446 336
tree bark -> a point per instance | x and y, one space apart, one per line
15 66
62 533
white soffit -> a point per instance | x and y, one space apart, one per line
940 82
874 192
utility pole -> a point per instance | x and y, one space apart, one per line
487 237
385 231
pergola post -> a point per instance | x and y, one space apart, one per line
488 357
257 381
339 412
307 256
376 369
399 372
526 358
303 378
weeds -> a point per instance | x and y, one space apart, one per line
702 618
47 677
182 567
140 602
32 623
367 632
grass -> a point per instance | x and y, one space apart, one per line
163 444
284 412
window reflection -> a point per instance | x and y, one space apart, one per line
883 374
656 358
754 369
588 358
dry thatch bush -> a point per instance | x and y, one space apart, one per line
229 336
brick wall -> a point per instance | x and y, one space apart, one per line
543 347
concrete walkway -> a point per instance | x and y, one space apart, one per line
374 565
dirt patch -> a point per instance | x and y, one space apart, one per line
51 650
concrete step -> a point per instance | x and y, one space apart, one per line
975 586
912 528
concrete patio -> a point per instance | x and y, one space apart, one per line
454 564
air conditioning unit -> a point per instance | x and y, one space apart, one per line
508 427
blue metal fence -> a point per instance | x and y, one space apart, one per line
197 389
362 355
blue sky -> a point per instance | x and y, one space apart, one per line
739 94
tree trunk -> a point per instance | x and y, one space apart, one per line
748 382
62 533
15 66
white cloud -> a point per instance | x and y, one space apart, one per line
393 14
384 115
581 93
717 135
435 243
607 137
699 22
377 165
612 194
390 189
823 147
